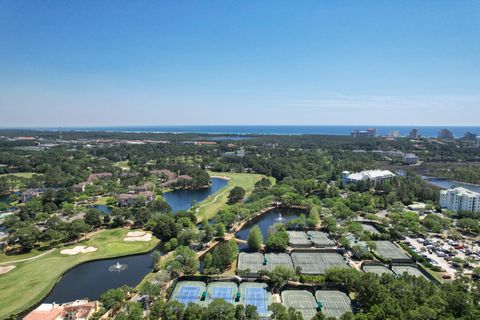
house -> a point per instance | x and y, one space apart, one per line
143 188
95 176
205 143
29 194
417 206
167 174
375 176
127 199
239 153
77 310
80 187
184 177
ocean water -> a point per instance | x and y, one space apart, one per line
425 131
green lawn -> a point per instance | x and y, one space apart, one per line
210 206
122 164
102 200
31 280
27 175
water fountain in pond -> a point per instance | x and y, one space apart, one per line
279 218
117 267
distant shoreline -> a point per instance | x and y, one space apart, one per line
242 130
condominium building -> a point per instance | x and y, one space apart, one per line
375 176
414 134
445 134
410 158
460 199
369 133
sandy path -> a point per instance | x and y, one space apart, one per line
28 259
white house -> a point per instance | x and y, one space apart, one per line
460 199
375 176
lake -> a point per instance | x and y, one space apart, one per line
91 279
448 184
182 199
267 219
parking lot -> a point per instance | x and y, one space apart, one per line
440 252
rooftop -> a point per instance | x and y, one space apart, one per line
460 191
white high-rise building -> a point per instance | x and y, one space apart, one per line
460 199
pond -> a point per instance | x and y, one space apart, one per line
267 219
101 207
182 199
448 184
91 279
5 198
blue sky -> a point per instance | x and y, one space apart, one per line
97 63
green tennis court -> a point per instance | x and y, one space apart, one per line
335 303
317 262
378 270
302 301
411 270
278 259
251 261
390 251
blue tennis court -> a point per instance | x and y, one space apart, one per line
222 293
258 298
188 294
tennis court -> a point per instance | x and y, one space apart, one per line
390 251
317 262
258 298
188 291
302 301
278 259
320 239
221 290
335 303
254 293
411 270
370 228
378 270
298 239
252 261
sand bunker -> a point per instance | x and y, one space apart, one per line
6 269
221 177
136 233
77 250
138 236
